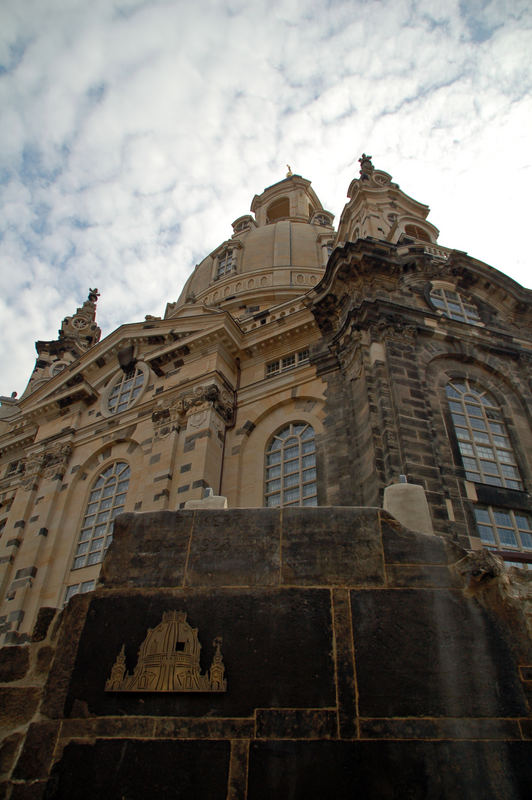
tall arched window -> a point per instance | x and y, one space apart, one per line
290 470
487 453
106 501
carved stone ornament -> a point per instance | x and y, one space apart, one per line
169 661
166 417
202 398
32 470
56 460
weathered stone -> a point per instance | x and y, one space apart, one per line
14 663
44 659
273 639
440 728
44 618
36 757
159 555
331 547
417 770
137 769
430 653
407 502
277 723
239 547
18 704
28 791
8 751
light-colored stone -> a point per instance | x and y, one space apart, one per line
407 502
209 502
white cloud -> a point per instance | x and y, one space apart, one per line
135 132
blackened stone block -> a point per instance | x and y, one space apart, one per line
18 704
8 751
440 728
136 770
430 653
36 757
208 728
407 547
148 549
331 547
234 547
277 650
44 618
298 723
345 664
389 770
28 791
73 621
44 659
108 728
421 575
14 663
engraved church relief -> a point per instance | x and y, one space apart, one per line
169 661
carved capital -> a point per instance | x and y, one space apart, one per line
32 470
56 459
201 398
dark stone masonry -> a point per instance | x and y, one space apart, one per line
362 660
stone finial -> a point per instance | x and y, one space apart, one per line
366 167
289 173
407 502
209 501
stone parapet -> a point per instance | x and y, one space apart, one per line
358 660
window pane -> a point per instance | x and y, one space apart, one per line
526 540
486 534
507 538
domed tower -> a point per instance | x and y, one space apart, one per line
378 208
271 258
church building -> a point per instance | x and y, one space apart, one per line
276 543
302 365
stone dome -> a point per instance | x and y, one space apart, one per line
272 257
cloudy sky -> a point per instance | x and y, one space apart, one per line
133 132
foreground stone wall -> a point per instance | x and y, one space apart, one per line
359 661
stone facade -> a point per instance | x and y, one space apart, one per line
300 366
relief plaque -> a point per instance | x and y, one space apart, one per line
169 661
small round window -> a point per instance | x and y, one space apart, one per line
125 389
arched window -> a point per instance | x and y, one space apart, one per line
106 501
417 232
279 209
290 469
485 446
454 306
